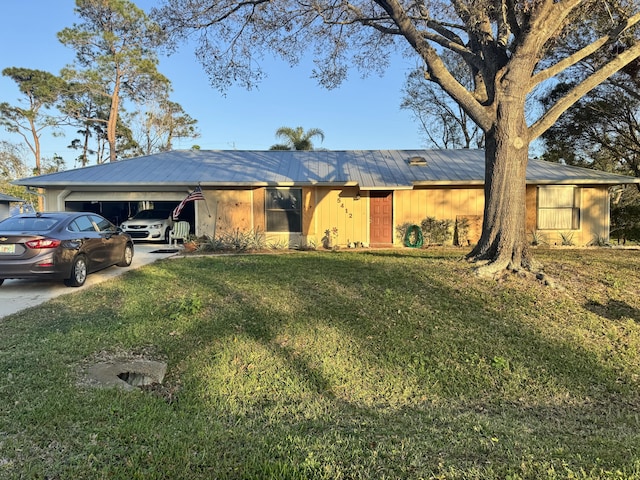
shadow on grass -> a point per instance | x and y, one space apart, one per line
614 310
336 366
468 365
398 312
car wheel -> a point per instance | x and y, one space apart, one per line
127 256
78 272
1 281
167 231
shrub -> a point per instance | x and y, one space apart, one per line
599 241
278 244
401 230
436 232
302 244
461 232
235 240
538 238
567 239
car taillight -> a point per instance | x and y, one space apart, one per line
43 243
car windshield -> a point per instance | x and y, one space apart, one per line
151 214
28 224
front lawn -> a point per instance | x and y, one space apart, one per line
342 365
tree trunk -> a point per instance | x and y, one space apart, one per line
112 123
85 147
503 243
37 152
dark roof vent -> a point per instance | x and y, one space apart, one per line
417 161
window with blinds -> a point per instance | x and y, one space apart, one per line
558 208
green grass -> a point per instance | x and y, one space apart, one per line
342 365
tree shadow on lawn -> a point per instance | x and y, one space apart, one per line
433 252
423 374
462 364
613 309
411 379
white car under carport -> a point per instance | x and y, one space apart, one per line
149 225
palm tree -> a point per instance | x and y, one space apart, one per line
297 138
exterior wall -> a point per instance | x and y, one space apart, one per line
350 216
324 208
531 209
441 203
594 217
224 211
4 210
347 210
308 210
51 199
595 213
340 209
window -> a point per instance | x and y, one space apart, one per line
558 208
103 224
283 209
82 224
26 224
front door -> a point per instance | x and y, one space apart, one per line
381 219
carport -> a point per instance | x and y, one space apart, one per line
119 206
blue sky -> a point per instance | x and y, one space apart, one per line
361 114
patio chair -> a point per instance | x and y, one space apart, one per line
180 231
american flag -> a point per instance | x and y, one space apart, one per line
193 196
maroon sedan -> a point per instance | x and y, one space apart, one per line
61 245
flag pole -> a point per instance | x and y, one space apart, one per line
205 201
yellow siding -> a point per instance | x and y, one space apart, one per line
594 219
308 209
259 218
413 206
441 203
531 209
341 209
595 214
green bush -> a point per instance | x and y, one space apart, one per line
234 240
461 232
436 232
401 230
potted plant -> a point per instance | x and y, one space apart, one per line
191 244
330 236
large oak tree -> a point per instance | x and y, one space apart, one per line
442 121
513 47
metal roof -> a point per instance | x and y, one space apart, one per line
4 198
368 169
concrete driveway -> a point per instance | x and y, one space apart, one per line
16 295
